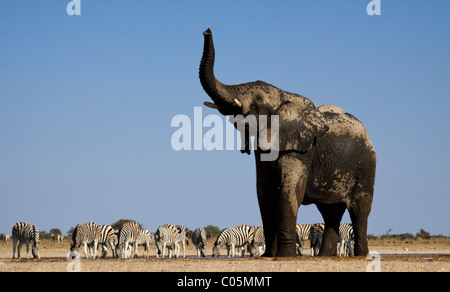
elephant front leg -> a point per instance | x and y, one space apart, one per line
291 193
267 189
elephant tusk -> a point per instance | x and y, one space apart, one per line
211 105
237 102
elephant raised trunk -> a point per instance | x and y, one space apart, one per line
224 96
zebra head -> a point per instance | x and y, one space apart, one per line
35 240
216 249
35 250
158 242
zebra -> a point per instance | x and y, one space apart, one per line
346 236
129 234
145 239
302 234
108 239
344 245
316 238
56 237
182 239
5 237
247 232
258 242
25 233
232 238
199 240
87 235
167 235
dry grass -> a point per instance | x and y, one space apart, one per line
435 257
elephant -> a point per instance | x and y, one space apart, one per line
325 158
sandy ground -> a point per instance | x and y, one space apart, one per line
411 256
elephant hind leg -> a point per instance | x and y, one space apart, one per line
359 209
360 230
361 204
332 215
359 213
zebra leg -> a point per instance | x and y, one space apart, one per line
172 248
95 248
104 250
332 215
350 248
90 250
85 249
18 249
110 245
14 248
136 252
177 250
341 248
27 243
145 253
125 250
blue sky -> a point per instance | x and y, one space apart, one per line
86 104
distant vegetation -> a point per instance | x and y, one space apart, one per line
46 235
422 234
119 223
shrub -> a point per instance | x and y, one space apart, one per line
211 231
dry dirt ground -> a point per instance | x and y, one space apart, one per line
411 256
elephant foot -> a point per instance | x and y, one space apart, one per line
361 252
267 255
331 251
327 254
286 253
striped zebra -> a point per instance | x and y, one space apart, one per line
199 240
166 236
247 232
346 236
316 238
344 245
25 233
181 239
145 239
129 234
5 237
232 238
258 245
107 238
56 237
302 234
87 235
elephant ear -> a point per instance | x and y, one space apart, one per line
300 124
